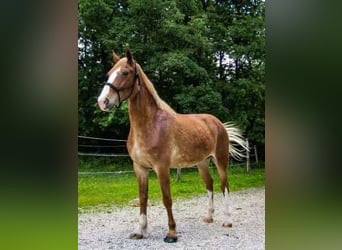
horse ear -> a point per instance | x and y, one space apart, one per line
129 57
116 58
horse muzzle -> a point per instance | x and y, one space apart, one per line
105 104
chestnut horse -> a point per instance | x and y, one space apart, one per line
161 139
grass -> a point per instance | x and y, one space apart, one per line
121 189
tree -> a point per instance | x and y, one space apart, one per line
202 56
238 29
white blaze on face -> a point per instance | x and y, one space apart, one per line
114 74
106 89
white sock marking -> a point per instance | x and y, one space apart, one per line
143 221
226 209
141 228
210 203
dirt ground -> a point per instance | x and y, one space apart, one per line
110 229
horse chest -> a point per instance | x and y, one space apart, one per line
137 151
143 151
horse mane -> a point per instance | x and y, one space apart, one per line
150 88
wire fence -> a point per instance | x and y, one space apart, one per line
102 147
101 139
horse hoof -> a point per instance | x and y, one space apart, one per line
170 239
227 224
208 219
135 236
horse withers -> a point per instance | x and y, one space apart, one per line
161 139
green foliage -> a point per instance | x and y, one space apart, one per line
201 99
202 56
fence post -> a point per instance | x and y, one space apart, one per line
256 155
247 156
178 173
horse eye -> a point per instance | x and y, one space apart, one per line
125 73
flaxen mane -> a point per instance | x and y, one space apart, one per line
149 86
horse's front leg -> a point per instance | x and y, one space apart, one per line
164 180
142 178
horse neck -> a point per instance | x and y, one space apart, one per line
142 107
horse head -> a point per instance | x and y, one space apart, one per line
120 82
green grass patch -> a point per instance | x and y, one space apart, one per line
121 189
98 164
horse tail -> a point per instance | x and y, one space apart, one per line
237 143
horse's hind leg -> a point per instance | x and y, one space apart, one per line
204 173
221 162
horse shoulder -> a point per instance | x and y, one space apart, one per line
153 140
160 131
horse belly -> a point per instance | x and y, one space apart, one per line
188 157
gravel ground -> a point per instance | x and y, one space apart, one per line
110 230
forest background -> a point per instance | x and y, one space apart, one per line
203 56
